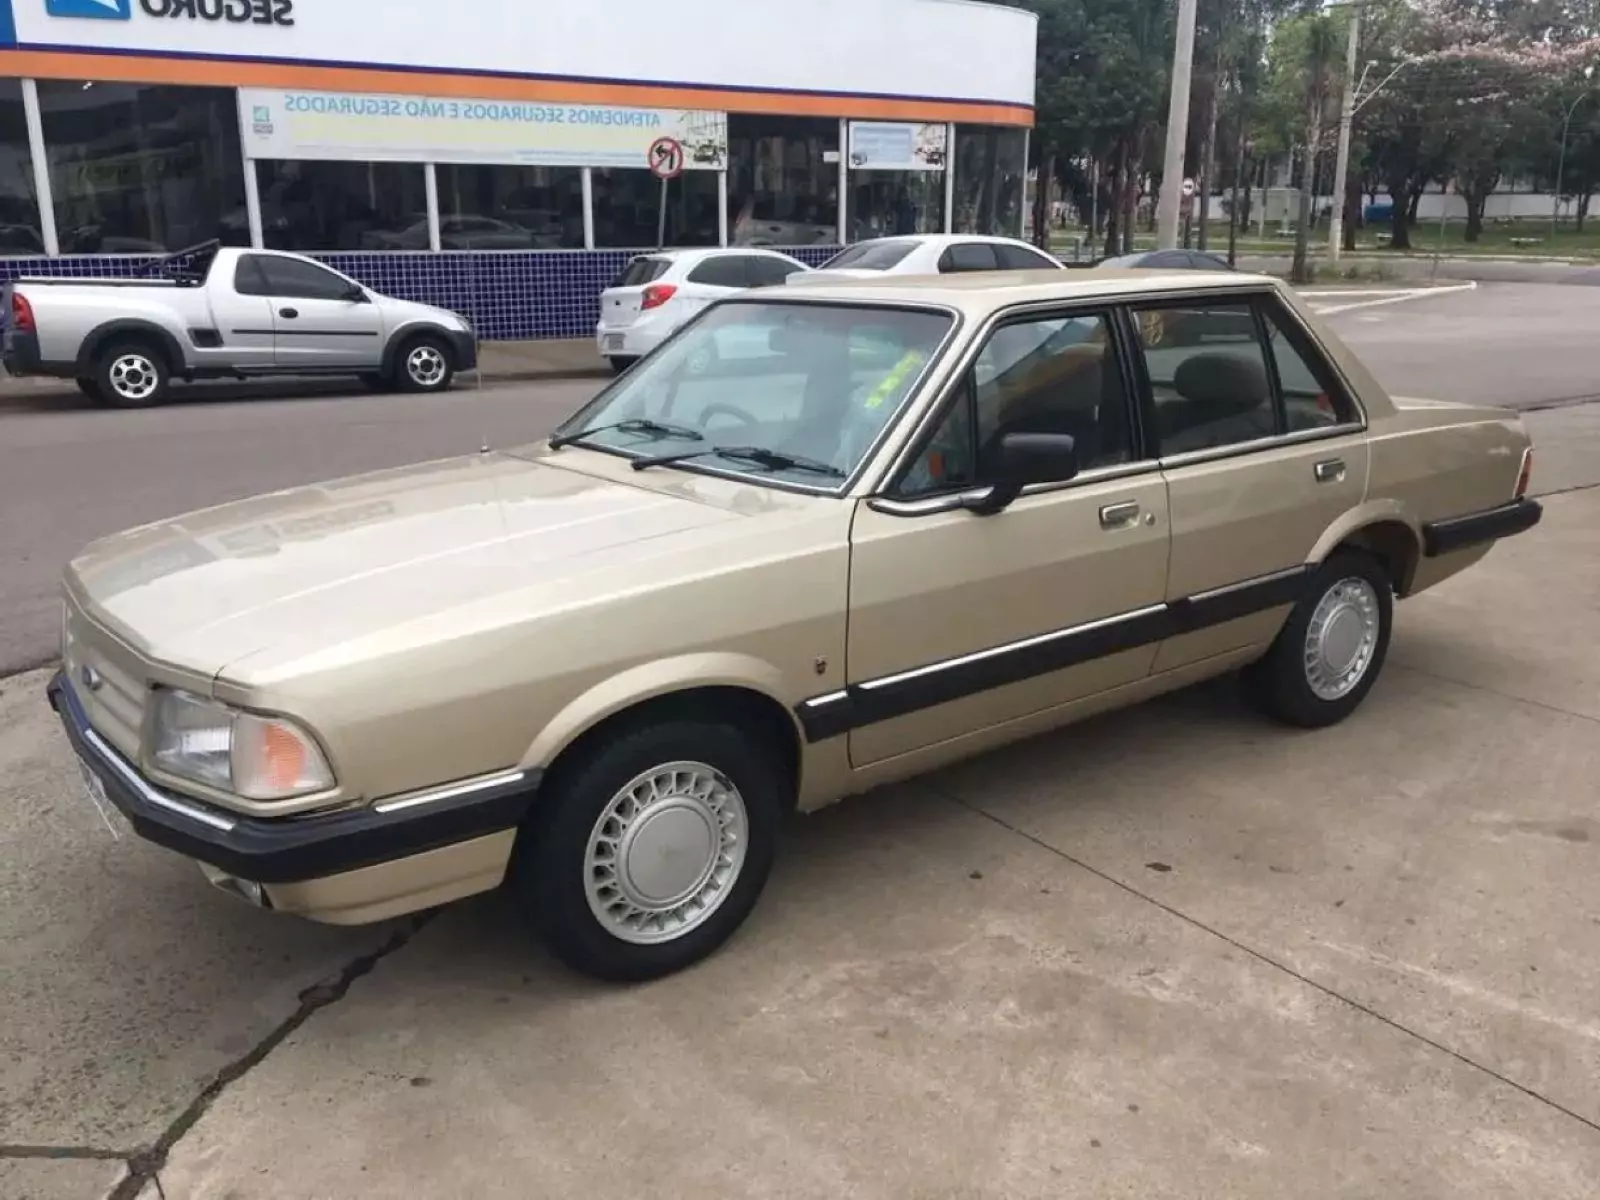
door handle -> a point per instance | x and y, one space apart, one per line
1119 516
290 313
1329 470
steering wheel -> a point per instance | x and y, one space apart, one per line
726 410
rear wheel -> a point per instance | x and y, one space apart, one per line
652 848
423 365
90 387
1330 651
376 381
132 375
619 363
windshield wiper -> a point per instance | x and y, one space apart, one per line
634 425
773 460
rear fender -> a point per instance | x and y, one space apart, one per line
108 332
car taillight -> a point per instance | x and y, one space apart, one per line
656 295
21 313
1525 476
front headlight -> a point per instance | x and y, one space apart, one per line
259 758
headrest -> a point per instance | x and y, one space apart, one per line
1222 381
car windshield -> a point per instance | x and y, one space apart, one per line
871 256
814 384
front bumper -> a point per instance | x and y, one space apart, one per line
464 347
295 849
1473 529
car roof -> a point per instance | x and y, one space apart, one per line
698 252
941 239
978 293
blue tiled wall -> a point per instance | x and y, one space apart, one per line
510 295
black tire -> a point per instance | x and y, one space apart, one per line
376 381
1281 685
132 374
409 373
90 387
619 364
552 869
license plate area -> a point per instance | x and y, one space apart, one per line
613 341
110 816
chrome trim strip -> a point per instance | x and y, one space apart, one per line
1011 647
1237 449
1255 581
450 791
950 501
829 698
147 793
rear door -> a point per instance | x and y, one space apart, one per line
1262 450
318 323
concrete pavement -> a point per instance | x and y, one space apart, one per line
1174 952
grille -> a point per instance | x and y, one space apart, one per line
116 707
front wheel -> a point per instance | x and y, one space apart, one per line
424 366
90 387
653 849
1330 651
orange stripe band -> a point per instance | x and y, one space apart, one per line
233 73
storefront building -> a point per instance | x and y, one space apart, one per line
496 156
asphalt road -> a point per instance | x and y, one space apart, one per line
69 474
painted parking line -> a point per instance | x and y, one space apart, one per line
1373 297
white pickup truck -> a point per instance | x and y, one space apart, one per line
213 312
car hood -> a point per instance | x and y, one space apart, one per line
321 566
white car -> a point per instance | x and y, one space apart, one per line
932 254
658 292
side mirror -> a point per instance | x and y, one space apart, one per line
1023 459
356 295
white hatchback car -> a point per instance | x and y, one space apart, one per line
660 291
932 254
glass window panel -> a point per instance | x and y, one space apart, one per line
627 206
510 208
19 203
1208 375
781 192
310 206
138 169
891 203
990 174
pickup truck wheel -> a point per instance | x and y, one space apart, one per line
376 381
132 375
90 387
653 848
1330 651
423 365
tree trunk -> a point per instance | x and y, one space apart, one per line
1352 213
1583 207
1403 201
1113 207
1208 153
1411 209
1300 272
1043 193
1126 197
1477 201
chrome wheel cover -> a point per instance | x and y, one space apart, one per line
665 853
134 377
1342 638
426 366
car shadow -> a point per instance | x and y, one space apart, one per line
28 395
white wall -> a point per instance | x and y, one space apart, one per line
929 49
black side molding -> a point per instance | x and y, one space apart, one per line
1473 529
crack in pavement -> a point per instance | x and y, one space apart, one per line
145 1164
1265 958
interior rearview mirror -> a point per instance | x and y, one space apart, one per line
1023 459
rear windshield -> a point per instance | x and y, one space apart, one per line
642 271
871 256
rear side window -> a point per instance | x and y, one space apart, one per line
1015 258
871 256
1312 397
1209 378
968 256
247 277
765 271
722 270
642 271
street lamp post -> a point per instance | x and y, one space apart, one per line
1561 157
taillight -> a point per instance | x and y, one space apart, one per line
1525 476
21 313
657 294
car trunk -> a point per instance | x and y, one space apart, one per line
621 303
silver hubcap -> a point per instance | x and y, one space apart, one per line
425 365
133 377
1342 638
665 852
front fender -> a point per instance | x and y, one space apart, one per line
648 681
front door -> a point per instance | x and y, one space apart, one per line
1262 451
960 622
321 321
